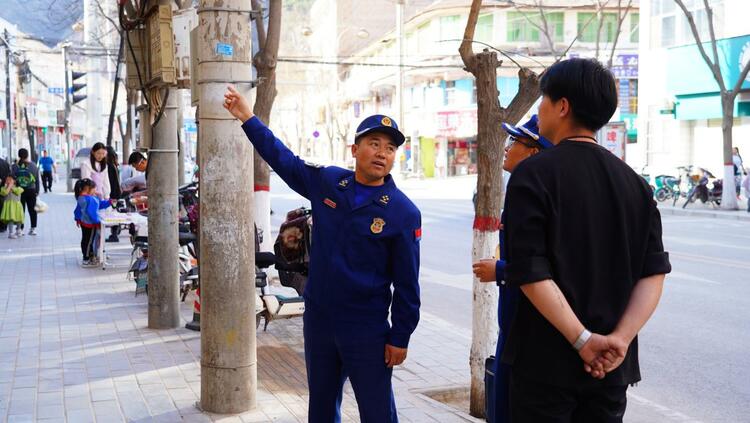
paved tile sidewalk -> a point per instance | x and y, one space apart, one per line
74 346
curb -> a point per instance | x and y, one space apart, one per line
716 214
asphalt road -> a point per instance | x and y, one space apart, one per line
693 352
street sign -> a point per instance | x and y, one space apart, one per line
55 90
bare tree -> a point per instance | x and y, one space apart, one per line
728 198
490 139
265 63
343 126
621 15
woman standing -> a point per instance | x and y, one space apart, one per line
96 170
27 177
113 170
524 141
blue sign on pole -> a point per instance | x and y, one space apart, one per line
224 49
55 90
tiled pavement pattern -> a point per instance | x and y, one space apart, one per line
74 346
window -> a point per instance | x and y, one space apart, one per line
484 28
525 26
450 27
588 24
634 22
450 93
667 31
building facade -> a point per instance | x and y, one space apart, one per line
680 123
440 99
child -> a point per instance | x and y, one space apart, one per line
86 215
12 213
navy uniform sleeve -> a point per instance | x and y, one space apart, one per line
526 222
657 260
406 302
293 170
500 271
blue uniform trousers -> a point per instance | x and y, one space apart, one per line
506 310
335 351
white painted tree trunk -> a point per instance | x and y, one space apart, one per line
484 319
263 218
729 193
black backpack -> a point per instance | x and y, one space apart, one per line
24 177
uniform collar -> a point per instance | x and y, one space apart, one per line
381 197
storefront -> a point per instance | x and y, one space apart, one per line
456 143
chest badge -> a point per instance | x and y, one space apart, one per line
343 183
377 225
330 203
384 200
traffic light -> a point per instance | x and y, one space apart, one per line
77 87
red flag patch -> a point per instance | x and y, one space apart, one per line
418 234
328 202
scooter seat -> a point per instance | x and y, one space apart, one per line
283 293
287 300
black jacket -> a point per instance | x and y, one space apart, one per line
114 181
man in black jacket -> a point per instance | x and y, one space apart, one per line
583 238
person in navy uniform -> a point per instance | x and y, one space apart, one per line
366 236
524 141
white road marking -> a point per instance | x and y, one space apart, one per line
666 412
689 277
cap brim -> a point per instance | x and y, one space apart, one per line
395 134
512 130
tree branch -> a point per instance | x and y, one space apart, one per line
714 67
738 84
712 34
466 51
544 28
621 18
260 26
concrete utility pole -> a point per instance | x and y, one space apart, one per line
228 356
180 140
163 271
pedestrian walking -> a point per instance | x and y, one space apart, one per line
367 236
12 210
96 170
4 172
524 141
583 238
86 215
113 172
739 169
48 166
27 177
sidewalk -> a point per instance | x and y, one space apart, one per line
705 210
75 347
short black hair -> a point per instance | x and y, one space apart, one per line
23 154
589 87
135 157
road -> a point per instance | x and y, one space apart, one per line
693 352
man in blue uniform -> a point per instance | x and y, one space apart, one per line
366 237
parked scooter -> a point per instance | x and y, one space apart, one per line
667 187
291 259
705 193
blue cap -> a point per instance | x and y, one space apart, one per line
380 123
529 129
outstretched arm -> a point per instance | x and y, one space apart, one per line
299 176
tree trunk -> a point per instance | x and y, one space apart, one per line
486 222
265 64
729 193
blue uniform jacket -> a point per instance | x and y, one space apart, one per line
358 252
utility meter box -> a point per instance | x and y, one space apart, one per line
184 21
161 46
137 39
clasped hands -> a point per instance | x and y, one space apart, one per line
602 354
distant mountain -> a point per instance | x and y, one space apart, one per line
48 20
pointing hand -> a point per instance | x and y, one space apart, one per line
237 104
